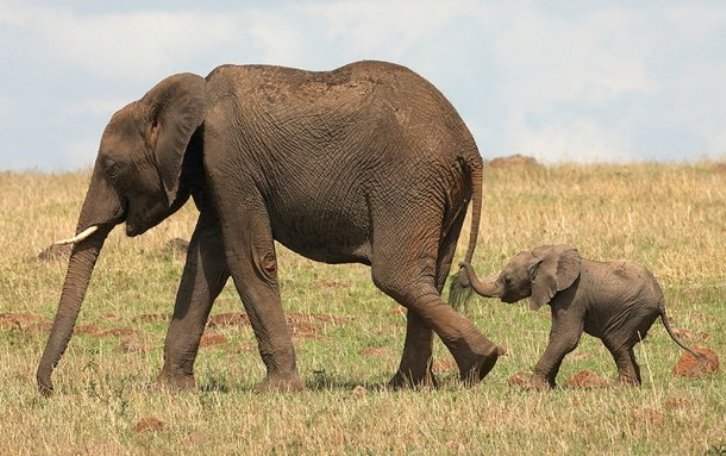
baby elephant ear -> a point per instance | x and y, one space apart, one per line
558 269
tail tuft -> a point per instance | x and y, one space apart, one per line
459 290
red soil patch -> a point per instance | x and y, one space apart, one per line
690 366
87 329
149 424
19 320
211 338
586 379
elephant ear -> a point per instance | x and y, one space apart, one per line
557 270
175 109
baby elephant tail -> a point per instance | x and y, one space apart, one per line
459 290
667 324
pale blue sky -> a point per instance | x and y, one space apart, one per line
559 80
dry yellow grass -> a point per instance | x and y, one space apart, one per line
670 218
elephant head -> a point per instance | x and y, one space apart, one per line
137 179
538 274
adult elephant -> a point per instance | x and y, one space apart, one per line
367 163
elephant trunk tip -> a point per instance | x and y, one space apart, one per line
45 385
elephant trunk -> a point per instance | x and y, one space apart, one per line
80 266
490 288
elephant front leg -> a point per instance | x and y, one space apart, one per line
205 274
252 263
415 368
564 338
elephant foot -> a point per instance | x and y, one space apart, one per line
478 366
278 383
404 381
628 381
538 383
175 381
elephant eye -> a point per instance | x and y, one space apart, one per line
112 168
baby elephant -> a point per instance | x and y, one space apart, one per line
616 302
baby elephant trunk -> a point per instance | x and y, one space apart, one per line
466 281
488 287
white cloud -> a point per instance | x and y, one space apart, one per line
374 25
135 45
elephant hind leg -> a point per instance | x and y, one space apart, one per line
628 369
415 368
406 271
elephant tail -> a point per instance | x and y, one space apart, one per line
460 289
667 324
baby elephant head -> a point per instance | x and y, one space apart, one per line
538 274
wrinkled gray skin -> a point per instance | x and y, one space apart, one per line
368 163
616 302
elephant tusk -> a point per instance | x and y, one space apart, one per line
78 237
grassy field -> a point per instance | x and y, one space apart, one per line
349 336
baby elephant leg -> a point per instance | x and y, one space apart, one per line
628 369
563 339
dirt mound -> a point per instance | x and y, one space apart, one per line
149 424
512 161
18 320
586 379
690 366
211 338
